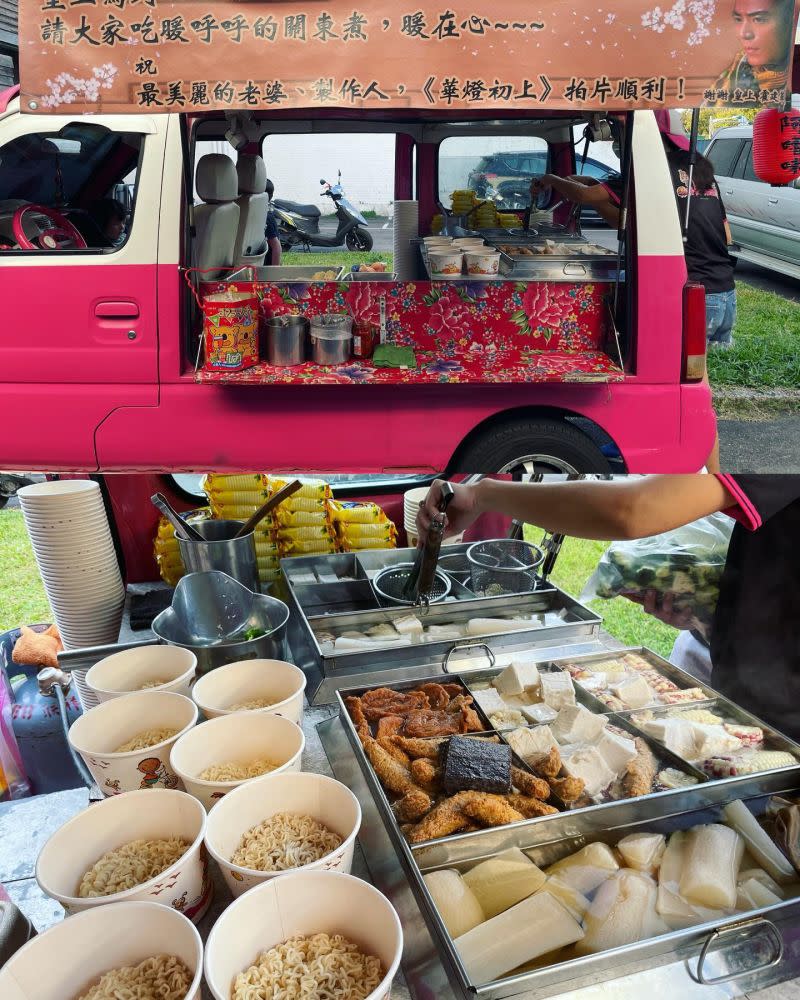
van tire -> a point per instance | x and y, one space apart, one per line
532 445
358 240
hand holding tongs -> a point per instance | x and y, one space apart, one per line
423 573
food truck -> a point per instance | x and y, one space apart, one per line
599 818
558 351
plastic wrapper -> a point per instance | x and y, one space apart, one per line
287 518
319 533
312 489
345 512
687 563
307 547
365 544
215 482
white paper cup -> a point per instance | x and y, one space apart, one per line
157 815
325 799
303 903
71 956
126 671
242 738
248 680
58 491
98 733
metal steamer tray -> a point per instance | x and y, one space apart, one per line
343 600
573 266
746 946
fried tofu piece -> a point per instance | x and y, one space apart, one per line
384 701
429 723
436 695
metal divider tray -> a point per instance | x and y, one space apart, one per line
547 839
287 272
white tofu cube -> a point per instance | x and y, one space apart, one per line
576 724
589 765
531 743
489 700
617 751
677 735
557 689
538 713
517 678
594 682
633 692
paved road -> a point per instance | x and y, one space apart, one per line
760 446
769 281
380 230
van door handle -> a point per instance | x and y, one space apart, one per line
772 201
116 310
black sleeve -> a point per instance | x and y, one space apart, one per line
761 497
271 232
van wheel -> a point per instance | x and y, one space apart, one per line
358 240
524 447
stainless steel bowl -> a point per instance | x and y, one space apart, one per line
210 611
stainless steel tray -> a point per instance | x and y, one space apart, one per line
370 276
286 272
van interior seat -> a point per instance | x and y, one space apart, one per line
253 201
217 219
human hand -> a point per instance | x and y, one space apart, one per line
663 607
462 510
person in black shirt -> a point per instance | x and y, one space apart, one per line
755 640
274 249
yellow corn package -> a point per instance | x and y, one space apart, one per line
266 549
285 518
343 512
353 532
361 544
308 548
268 576
308 533
312 489
311 505
165 529
219 482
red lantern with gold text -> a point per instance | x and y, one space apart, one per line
776 146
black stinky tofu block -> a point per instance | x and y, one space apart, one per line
477 765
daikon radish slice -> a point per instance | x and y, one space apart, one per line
574 901
459 909
713 855
622 912
495 626
504 880
670 905
753 894
534 927
766 880
586 869
643 851
759 842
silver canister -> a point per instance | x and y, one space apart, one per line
287 341
221 551
331 339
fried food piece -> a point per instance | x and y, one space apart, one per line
530 807
391 773
394 751
549 765
568 789
385 701
430 723
641 772
470 720
419 747
412 807
491 810
529 784
453 690
426 774
445 818
356 710
389 725
436 695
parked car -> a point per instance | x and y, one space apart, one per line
764 220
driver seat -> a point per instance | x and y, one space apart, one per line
217 220
253 201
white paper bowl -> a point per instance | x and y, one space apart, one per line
96 735
241 737
157 815
67 959
125 672
482 262
326 799
303 903
446 263
58 490
282 683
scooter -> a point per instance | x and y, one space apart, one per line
9 484
298 225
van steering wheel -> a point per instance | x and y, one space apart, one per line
61 235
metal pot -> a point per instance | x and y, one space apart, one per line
223 552
287 341
210 610
331 339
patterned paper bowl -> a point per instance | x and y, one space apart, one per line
241 738
67 959
302 904
282 684
158 815
325 799
97 734
128 671
445 263
482 262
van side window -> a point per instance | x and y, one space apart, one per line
495 168
85 173
724 153
749 173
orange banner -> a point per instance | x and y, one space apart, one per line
202 55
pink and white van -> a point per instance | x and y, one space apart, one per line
99 343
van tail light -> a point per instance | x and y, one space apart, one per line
694 333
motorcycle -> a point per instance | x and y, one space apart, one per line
298 225
10 483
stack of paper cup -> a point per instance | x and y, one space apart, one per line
406 229
411 502
74 551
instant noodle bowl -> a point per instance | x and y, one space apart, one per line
300 905
324 799
65 961
230 330
162 814
279 683
445 263
156 667
242 739
99 733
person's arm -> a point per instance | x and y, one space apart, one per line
276 250
616 510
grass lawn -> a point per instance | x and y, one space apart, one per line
766 343
22 597
339 257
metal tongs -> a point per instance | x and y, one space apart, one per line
423 573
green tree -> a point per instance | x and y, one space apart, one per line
715 118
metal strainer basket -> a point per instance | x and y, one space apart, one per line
390 583
503 566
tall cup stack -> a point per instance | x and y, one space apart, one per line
406 228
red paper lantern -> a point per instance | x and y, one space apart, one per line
776 146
